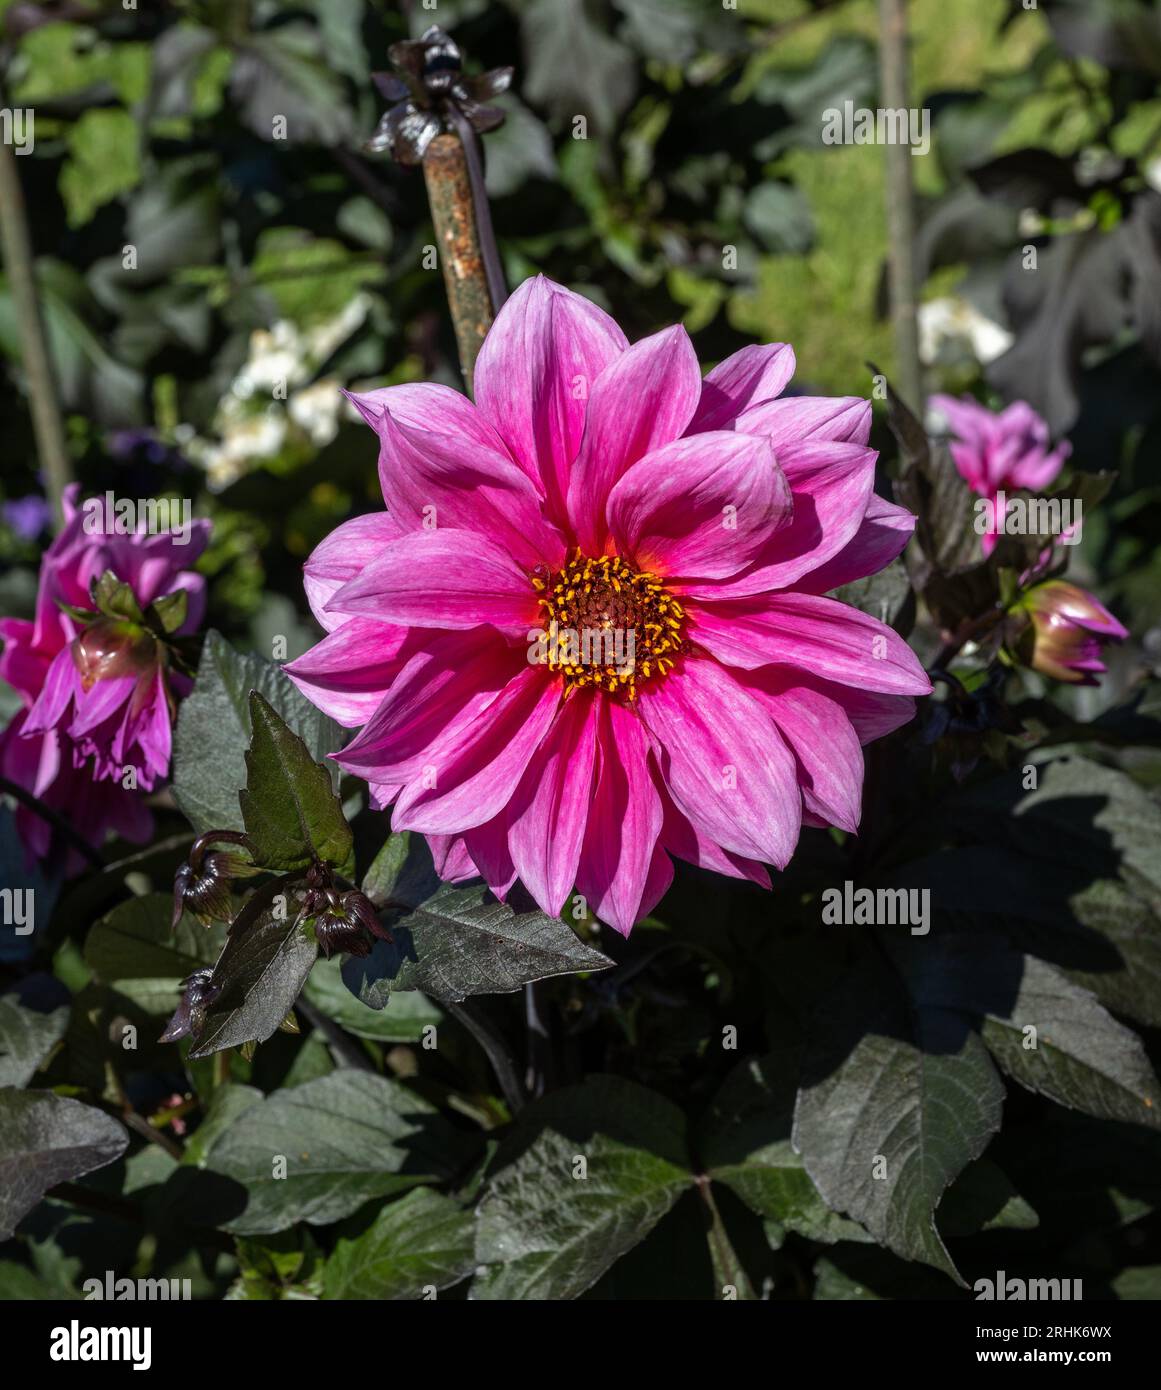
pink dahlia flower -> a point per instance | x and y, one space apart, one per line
591 630
51 767
108 685
1004 452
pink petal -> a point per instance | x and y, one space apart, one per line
1035 471
643 399
442 689
488 846
346 552
818 732
548 815
882 535
450 856
657 883
756 373
61 684
617 860
872 714
681 838
476 769
831 487
347 674
434 476
534 375
972 422
443 579
724 763
702 507
812 634
792 419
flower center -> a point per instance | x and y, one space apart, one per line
608 625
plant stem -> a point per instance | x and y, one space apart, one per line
47 421
900 205
539 1042
494 1045
345 1050
465 275
54 818
473 153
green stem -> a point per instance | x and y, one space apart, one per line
39 373
900 205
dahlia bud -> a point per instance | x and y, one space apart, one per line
344 925
112 647
198 993
202 884
1066 630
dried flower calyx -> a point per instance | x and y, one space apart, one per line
428 82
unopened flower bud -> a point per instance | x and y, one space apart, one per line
1065 631
202 885
112 647
198 993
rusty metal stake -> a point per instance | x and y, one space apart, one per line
449 191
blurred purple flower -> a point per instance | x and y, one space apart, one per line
28 516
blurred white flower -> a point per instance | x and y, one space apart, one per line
954 322
316 409
274 396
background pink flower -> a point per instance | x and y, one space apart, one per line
1001 452
68 745
605 486
108 688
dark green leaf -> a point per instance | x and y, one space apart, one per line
289 805
982 1198
574 67
33 1019
136 942
589 1172
213 732
422 1242
45 1140
744 1142
461 941
344 1139
898 1097
402 871
260 973
409 1014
